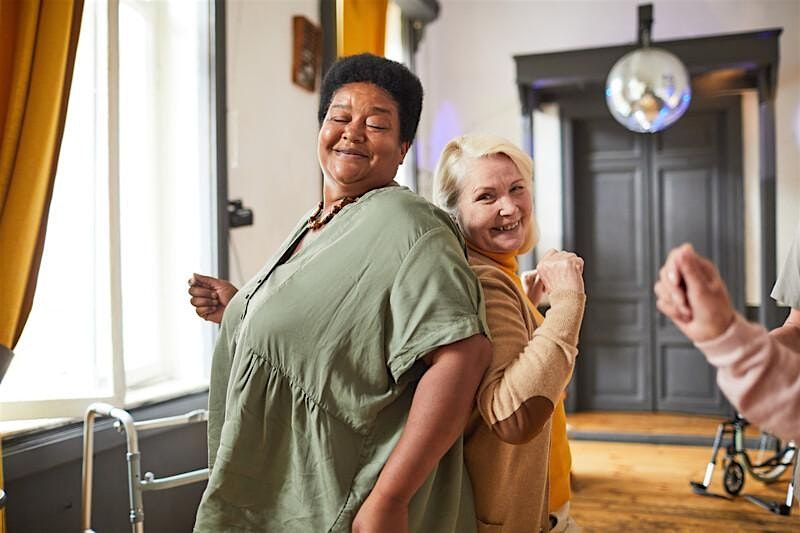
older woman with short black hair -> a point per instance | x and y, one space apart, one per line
346 368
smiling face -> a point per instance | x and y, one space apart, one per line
359 142
495 204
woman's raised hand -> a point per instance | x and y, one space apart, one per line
533 285
691 292
560 271
210 296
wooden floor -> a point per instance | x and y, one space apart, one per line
644 423
645 487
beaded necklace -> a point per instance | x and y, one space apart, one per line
314 221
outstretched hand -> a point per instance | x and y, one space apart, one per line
692 294
210 296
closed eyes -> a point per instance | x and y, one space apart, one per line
345 120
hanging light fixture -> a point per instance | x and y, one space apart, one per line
648 89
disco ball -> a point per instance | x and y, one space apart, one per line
648 89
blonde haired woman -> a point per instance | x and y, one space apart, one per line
484 183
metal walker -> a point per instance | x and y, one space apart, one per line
136 485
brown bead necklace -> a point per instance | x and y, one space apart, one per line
314 221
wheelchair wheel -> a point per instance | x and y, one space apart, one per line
733 478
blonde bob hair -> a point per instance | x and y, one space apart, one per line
456 156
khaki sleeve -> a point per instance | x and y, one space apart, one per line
435 300
526 377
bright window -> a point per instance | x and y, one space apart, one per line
397 48
132 216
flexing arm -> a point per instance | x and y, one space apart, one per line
526 379
442 402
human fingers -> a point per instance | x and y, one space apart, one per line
205 311
552 256
673 285
670 311
669 271
534 286
663 301
667 304
203 302
706 287
529 277
200 279
561 259
574 261
697 271
561 272
704 277
202 292
708 271
195 279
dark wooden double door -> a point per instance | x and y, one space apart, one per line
635 197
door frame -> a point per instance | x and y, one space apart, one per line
745 60
731 194
730 104
717 64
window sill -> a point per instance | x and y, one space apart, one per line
16 428
46 448
136 398
163 391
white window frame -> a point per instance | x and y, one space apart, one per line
397 47
121 394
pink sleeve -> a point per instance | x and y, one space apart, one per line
759 375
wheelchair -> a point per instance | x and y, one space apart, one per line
765 460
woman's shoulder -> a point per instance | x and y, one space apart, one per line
505 301
402 210
394 226
497 283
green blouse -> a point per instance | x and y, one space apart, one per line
314 371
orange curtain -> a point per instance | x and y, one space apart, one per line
361 26
38 41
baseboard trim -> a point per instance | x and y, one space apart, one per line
639 438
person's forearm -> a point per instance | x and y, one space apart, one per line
517 399
439 411
759 375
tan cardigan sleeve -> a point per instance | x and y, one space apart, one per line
526 377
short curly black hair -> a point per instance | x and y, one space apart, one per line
389 75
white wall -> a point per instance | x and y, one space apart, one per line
466 66
547 173
272 128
